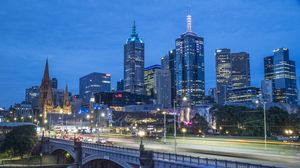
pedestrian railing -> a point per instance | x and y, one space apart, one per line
198 161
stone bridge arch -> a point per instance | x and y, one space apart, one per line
121 163
67 149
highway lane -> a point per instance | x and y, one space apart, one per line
250 151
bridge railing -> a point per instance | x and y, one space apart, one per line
111 148
198 161
61 141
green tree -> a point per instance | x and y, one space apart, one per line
199 123
20 140
277 121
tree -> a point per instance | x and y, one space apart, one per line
20 140
277 121
199 123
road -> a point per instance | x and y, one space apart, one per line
278 154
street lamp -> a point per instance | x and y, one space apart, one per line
265 122
165 130
141 134
62 119
175 143
183 130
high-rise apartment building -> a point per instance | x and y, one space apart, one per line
189 66
54 83
134 64
94 83
282 72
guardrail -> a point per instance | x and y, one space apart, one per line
111 148
198 161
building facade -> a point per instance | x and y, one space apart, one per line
134 64
282 72
162 83
168 63
223 74
120 85
189 67
32 96
240 70
94 83
149 81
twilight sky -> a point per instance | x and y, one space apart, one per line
84 36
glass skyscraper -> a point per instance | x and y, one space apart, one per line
282 71
223 74
240 70
94 83
189 66
134 64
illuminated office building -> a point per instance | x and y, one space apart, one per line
93 83
282 72
189 66
134 64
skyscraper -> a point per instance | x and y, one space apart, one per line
134 64
282 71
223 73
232 72
94 83
189 66
168 63
240 70
162 87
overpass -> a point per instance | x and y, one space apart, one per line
87 155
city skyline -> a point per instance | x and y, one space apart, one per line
22 56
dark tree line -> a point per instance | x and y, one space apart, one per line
20 140
234 120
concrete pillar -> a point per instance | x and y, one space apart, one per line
78 154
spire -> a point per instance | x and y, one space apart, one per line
46 71
66 97
49 100
133 33
189 20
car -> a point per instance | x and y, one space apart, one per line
101 141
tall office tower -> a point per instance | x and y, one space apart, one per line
212 94
223 74
189 67
32 96
54 83
120 85
149 80
168 62
267 91
134 64
282 71
162 86
94 83
240 70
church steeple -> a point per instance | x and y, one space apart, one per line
66 97
46 76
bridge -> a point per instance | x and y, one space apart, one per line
87 155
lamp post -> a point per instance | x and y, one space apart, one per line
175 143
183 130
62 119
141 134
265 123
165 130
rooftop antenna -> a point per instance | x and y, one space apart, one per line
189 20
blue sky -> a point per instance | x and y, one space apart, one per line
83 36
